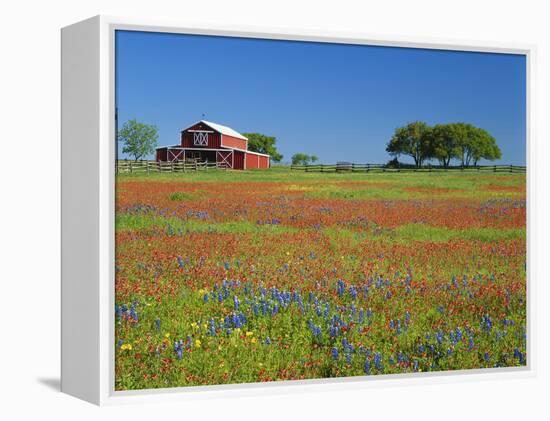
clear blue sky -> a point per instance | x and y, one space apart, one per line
340 102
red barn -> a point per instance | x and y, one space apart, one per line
212 142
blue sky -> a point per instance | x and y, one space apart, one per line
340 102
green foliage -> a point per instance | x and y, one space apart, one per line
444 142
180 196
303 159
414 140
139 139
260 143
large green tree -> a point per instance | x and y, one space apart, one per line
261 143
484 146
464 142
139 139
414 140
444 143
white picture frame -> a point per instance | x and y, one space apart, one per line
88 174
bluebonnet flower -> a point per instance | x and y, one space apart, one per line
378 361
180 262
205 298
268 341
212 327
486 323
353 292
226 265
133 313
366 367
157 323
341 287
178 349
335 353
470 343
486 356
400 357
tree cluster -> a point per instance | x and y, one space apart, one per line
443 142
303 159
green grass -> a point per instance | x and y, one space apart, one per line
403 234
131 222
285 174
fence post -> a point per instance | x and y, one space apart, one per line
495 170
511 168
130 167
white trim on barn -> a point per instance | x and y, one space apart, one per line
219 128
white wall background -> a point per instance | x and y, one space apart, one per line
29 204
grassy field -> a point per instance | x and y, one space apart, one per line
251 276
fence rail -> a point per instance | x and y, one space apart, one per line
146 167
382 168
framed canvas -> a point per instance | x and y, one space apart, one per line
247 210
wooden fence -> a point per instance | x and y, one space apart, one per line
147 167
381 168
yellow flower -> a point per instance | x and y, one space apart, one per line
219 347
198 343
194 325
288 253
253 340
125 347
167 335
249 333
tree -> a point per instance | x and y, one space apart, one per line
260 143
484 146
303 159
139 139
444 143
465 142
414 140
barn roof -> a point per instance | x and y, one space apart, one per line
220 128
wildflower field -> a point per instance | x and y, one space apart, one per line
253 276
